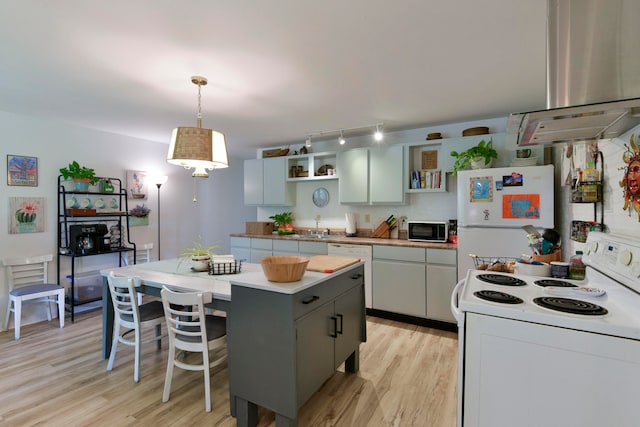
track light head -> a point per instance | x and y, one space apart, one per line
341 140
378 135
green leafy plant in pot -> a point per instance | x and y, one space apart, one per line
82 176
283 222
477 157
199 254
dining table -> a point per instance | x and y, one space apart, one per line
175 275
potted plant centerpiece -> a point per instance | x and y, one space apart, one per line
478 157
82 176
199 254
139 215
283 222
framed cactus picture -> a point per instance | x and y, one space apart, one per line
26 215
22 170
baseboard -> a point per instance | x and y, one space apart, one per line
414 320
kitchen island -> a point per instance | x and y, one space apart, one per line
284 339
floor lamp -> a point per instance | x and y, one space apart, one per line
159 180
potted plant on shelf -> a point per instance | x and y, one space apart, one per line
139 215
82 176
478 157
199 254
283 222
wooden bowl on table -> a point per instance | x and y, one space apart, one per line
284 268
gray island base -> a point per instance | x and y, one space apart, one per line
285 340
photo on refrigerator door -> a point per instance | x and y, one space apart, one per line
521 206
481 189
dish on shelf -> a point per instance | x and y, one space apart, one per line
479 130
324 170
275 153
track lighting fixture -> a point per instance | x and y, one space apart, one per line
378 135
341 139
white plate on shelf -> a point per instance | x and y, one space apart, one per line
529 161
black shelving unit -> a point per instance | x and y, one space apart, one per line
83 230
589 192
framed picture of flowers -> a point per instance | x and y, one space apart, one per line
137 185
22 170
26 215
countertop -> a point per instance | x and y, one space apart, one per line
352 240
180 276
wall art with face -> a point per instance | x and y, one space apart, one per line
631 180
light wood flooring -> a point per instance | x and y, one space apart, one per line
57 377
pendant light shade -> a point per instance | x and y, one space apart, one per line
197 147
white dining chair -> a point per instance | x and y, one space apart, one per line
143 255
28 283
131 317
191 330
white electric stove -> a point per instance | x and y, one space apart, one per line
546 351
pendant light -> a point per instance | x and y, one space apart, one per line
197 147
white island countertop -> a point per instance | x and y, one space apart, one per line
167 272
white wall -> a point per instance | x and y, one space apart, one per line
617 220
218 212
418 206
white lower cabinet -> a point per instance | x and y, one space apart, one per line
399 280
442 275
285 247
310 249
260 248
241 248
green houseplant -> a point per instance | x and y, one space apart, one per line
82 176
284 222
199 254
476 157
139 215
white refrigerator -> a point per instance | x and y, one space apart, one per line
494 204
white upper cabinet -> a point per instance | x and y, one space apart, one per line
353 169
265 182
386 174
371 175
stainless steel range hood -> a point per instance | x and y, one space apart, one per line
593 74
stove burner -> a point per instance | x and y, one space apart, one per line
552 282
497 296
568 305
501 279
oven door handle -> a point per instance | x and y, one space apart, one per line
455 301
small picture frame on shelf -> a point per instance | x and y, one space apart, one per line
22 170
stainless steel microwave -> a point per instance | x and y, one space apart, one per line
428 231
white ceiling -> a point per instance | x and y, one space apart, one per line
277 69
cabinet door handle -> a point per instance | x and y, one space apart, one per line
357 276
334 334
341 320
310 299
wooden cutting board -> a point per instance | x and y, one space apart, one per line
329 263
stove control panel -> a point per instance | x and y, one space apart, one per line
616 256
